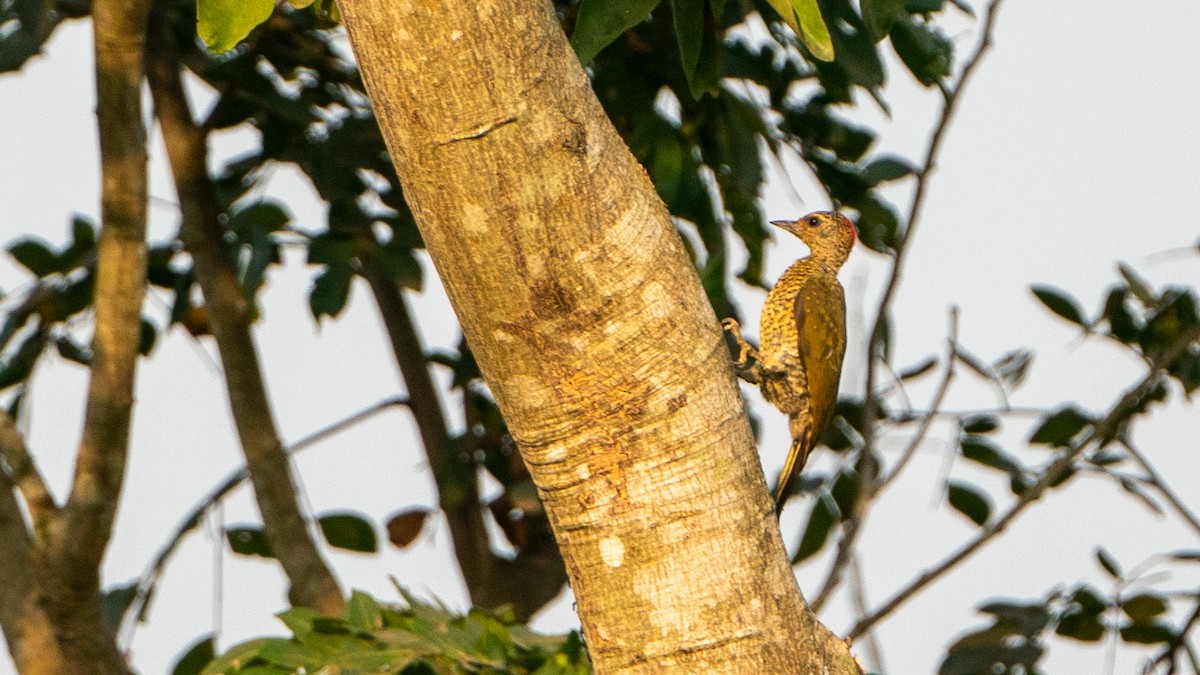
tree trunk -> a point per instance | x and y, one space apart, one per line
593 332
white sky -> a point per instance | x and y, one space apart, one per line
1075 147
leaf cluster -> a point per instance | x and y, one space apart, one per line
1133 612
419 639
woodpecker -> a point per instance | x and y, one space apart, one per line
803 338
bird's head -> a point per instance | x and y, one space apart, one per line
829 234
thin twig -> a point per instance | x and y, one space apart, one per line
951 99
25 474
1160 484
858 597
232 481
911 416
1101 432
869 492
934 407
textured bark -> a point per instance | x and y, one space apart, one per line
593 332
27 628
60 589
312 582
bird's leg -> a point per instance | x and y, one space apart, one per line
751 373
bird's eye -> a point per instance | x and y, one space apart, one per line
814 221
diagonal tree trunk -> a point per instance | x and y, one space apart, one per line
593 332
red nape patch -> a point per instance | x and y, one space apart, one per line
848 224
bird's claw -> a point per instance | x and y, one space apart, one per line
745 350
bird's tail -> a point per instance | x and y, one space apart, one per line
796 457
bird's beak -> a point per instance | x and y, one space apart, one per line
786 226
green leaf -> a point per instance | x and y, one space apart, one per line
601 21
20 364
224 23
879 15
887 168
923 49
1060 427
820 523
83 242
363 612
349 531
809 25
330 291
35 256
980 424
1081 626
983 451
1150 633
268 214
249 541
970 502
397 262
1108 562
262 254
147 337
698 46
233 660
1060 303
1022 618
1121 323
1144 607
195 658
115 603
1141 289
71 351
293 656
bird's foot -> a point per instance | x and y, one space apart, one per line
745 349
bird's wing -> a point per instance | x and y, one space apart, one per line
821 323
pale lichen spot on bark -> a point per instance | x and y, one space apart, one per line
612 551
583 471
535 265
474 217
655 296
530 390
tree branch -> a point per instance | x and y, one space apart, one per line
312 582
27 628
26 476
235 478
1101 432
